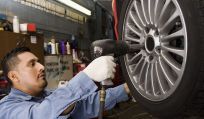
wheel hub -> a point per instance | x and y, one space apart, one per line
149 44
152 42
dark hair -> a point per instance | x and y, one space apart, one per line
10 60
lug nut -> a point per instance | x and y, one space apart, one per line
147 30
156 33
159 49
151 58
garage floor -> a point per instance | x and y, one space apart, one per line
132 110
127 110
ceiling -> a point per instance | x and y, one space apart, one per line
106 4
90 4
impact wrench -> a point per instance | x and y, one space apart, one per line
110 47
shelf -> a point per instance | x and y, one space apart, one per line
57 55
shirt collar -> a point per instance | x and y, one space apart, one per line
17 93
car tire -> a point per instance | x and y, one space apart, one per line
166 76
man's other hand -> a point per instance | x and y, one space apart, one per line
127 90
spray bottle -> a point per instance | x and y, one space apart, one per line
16 25
68 48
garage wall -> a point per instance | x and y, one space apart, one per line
60 27
51 24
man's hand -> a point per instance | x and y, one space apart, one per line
127 90
101 68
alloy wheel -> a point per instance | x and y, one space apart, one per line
157 69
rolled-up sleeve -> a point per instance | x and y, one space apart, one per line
80 87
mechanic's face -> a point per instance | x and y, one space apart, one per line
31 73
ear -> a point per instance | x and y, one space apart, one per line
13 76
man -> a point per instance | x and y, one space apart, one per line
77 100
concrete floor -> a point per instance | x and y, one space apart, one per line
127 110
132 110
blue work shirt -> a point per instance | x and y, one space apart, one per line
80 90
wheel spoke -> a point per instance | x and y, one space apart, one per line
141 72
134 30
159 79
166 72
163 10
144 8
150 9
170 23
135 70
153 83
134 59
147 78
172 36
135 20
174 50
172 63
130 38
157 10
156 83
138 10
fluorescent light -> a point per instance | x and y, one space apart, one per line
75 6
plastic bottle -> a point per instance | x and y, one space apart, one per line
74 54
49 49
53 46
62 47
68 48
16 24
57 48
